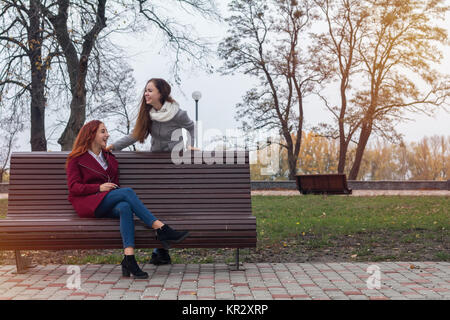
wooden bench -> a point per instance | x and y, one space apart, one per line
212 201
322 184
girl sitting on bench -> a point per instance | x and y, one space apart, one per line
94 191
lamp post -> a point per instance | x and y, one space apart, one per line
196 95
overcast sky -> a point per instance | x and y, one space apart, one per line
220 93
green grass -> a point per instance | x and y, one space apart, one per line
444 256
96 259
281 218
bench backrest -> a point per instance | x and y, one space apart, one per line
326 183
38 183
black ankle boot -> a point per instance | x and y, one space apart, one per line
161 257
129 265
167 235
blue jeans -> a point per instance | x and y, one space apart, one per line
121 204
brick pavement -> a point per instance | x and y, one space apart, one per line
260 281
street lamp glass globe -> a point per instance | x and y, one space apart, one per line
196 95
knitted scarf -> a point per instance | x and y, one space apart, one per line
166 113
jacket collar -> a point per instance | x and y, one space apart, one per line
89 161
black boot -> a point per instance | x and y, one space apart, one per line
167 235
129 265
160 257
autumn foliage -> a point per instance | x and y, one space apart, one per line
428 159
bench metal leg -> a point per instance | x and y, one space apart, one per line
22 263
235 266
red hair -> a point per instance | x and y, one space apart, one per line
84 139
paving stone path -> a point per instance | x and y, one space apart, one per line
260 281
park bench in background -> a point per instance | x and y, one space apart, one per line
322 184
212 201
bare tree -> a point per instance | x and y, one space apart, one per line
36 30
345 20
77 62
115 97
11 124
266 41
78 39
180 39
27 51
398 46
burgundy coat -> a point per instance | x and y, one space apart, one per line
84 177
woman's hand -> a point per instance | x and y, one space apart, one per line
108 186
110 148
193 148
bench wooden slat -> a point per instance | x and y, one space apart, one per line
143 197
148 201
45 221
154 207
155 184
141 191
117 244
33 180
129 163
136 175
162 213
57 163
211 215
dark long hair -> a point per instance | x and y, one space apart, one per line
143 125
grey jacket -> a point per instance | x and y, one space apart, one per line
162 133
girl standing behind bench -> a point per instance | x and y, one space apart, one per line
159 116
94 191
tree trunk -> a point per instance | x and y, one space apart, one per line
37 133
76 121
77 69
343 145
37 140
366 130
77 109
292 160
